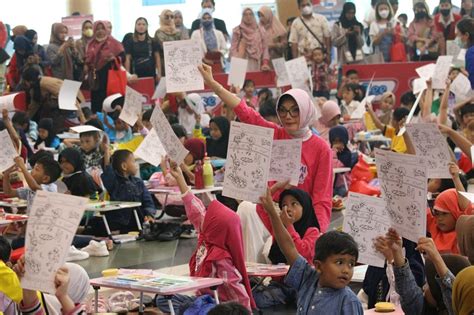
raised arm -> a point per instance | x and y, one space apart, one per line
28 177
443 107
459 140
227 97
463 202
376 120
427 101
11 130
281 234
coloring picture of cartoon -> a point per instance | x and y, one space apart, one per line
286 161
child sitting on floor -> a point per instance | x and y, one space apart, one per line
21 121
348 103
120 182
342 157
384 114
42 177
249 94
216 144
324 287
219 253
46 136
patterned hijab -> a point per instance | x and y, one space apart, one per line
253 36
209 35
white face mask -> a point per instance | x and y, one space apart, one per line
307 10
384 14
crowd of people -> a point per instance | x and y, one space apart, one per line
291 224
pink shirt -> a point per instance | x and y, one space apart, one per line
316 164
233 288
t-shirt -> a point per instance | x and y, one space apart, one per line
27 194
143 58
398 143
218 23
313 299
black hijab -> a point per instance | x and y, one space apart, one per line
79 183
46 124
345 23
340 132
218 147
308 220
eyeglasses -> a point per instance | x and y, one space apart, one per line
169 17
294 111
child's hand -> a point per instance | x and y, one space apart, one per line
175 170
429 84
381 244
8 171
61 281
368 107
19 267
339 147
234 89
395 243
427 247
19 162
445 130
267 203
197 117
104 145
286 218
453 170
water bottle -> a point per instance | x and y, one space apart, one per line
208 173
198 176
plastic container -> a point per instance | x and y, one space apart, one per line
199 175
208 173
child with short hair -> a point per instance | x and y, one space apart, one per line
348 103
324 287
46 135
391 131
321 73
249 94
264 95
21 121
122 185
351 77
229 308
42 177
268 111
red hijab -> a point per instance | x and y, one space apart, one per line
222 236
99 52
196 147
447 201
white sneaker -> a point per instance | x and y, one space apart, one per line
96 249
74 254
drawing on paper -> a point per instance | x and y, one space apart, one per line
285 160
248 161
7 151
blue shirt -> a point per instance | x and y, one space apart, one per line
314 300
110 132
470 65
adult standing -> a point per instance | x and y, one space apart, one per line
382 29
422 38
347 36
219 24
81 46
211 39
309 31
275 32
38 50
445 23
466 33
61 52
178 21
248 42
142 52
101 53
23 48
467 8
166 33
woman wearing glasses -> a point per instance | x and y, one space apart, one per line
296 113
166 33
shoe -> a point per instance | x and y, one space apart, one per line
74 254
188 233
96 249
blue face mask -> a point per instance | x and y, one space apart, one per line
207 24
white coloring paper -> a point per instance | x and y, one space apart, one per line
151 149
173 147
419 85
403 181
248 162
426 71
298 74
52 224
359 112
182 59
67 98
7 101
285 161
238 70
280 72
84 128
7 151
132 106
430 144
365 219
410 115
160 91
443 65
107 104
461 87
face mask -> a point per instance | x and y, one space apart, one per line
307 10
420 15
384 14
88 32
207 24
445 12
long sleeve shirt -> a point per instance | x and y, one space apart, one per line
233 288
470 65
316 164
411 295
304 246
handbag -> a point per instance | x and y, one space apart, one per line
398 51
116 78
144 64
314 35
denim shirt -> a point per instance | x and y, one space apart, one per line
121 188
314 300
411 295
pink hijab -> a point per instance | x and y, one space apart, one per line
99 52
273 28
328 112
222 236
253 35
307 111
